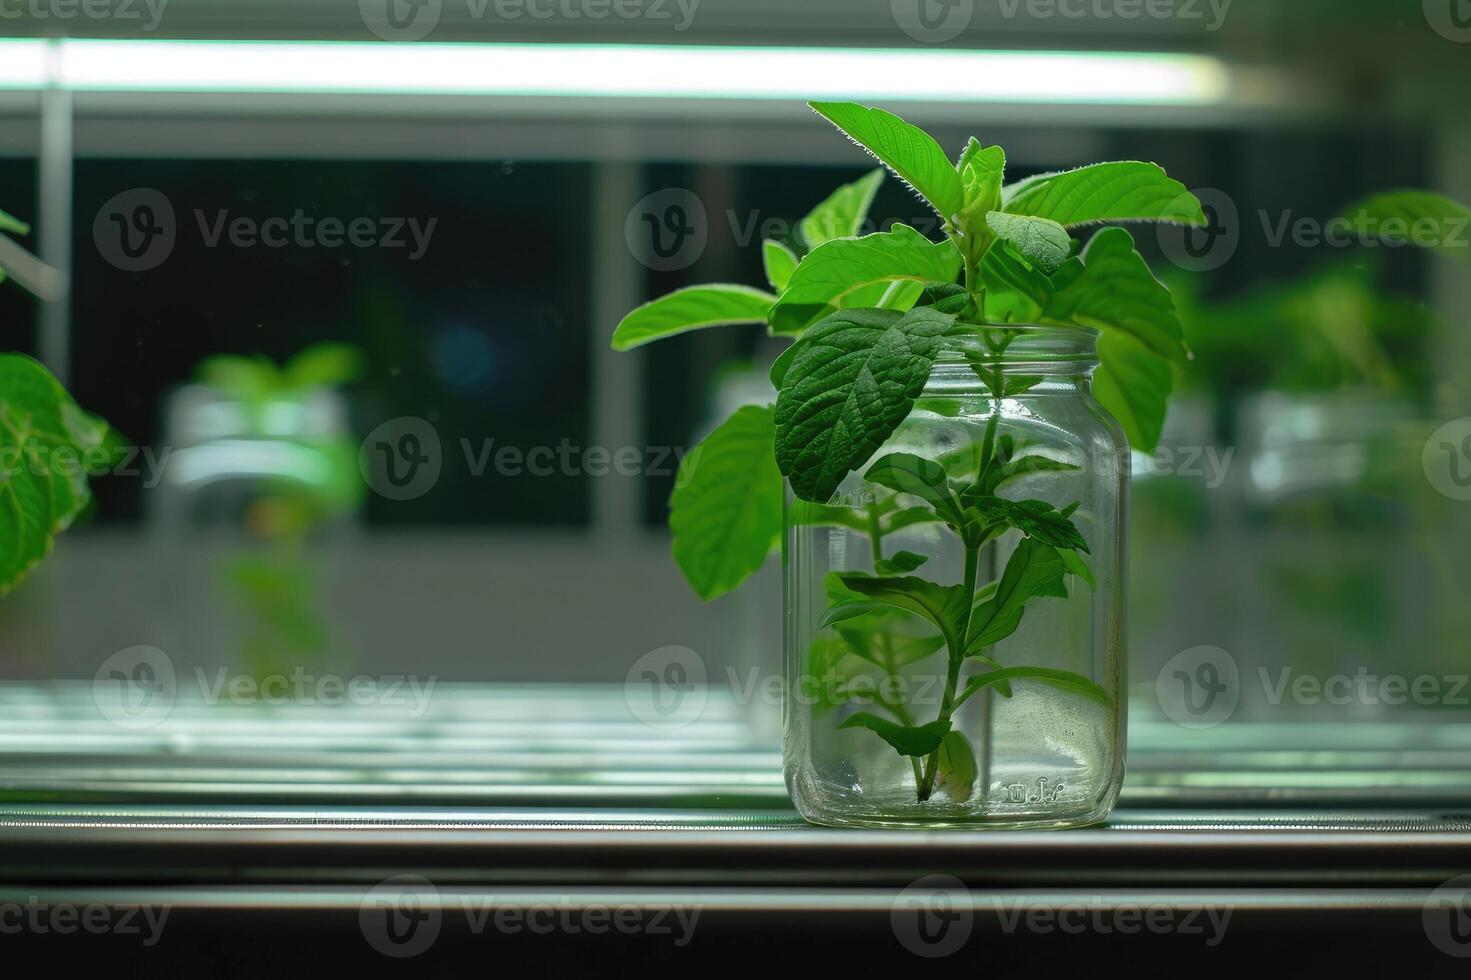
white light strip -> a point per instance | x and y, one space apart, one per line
22 64
623 71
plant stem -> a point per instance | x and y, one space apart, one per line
957 660
886 641
875 533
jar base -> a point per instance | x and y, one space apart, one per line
829 809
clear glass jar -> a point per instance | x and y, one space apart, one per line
880 663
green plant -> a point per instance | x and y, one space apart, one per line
276 589
49 449
1336 325
868 317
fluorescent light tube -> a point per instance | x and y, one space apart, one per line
623 71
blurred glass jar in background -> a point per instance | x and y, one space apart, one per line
1340 583
262 480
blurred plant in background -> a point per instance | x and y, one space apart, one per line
274 586
1324 386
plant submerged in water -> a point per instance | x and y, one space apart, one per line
869 317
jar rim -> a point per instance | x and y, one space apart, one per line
1030 343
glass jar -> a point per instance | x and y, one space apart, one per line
954 632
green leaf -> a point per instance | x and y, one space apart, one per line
1075 564
1015 291
246 378
1028 465
848 611
853 381
1063 679
889 651
805 513
835 275
48 449
1122 191
907 150
923 478
830 664
1020 384
910 517
947 297
981 172
1031 570
1414 217
900 563
726 509
1034 518
13 225
943 605
843 213
919 742
692 308
1134 385
1044 243
956 766
1115 292
326 365
780 262
901 295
